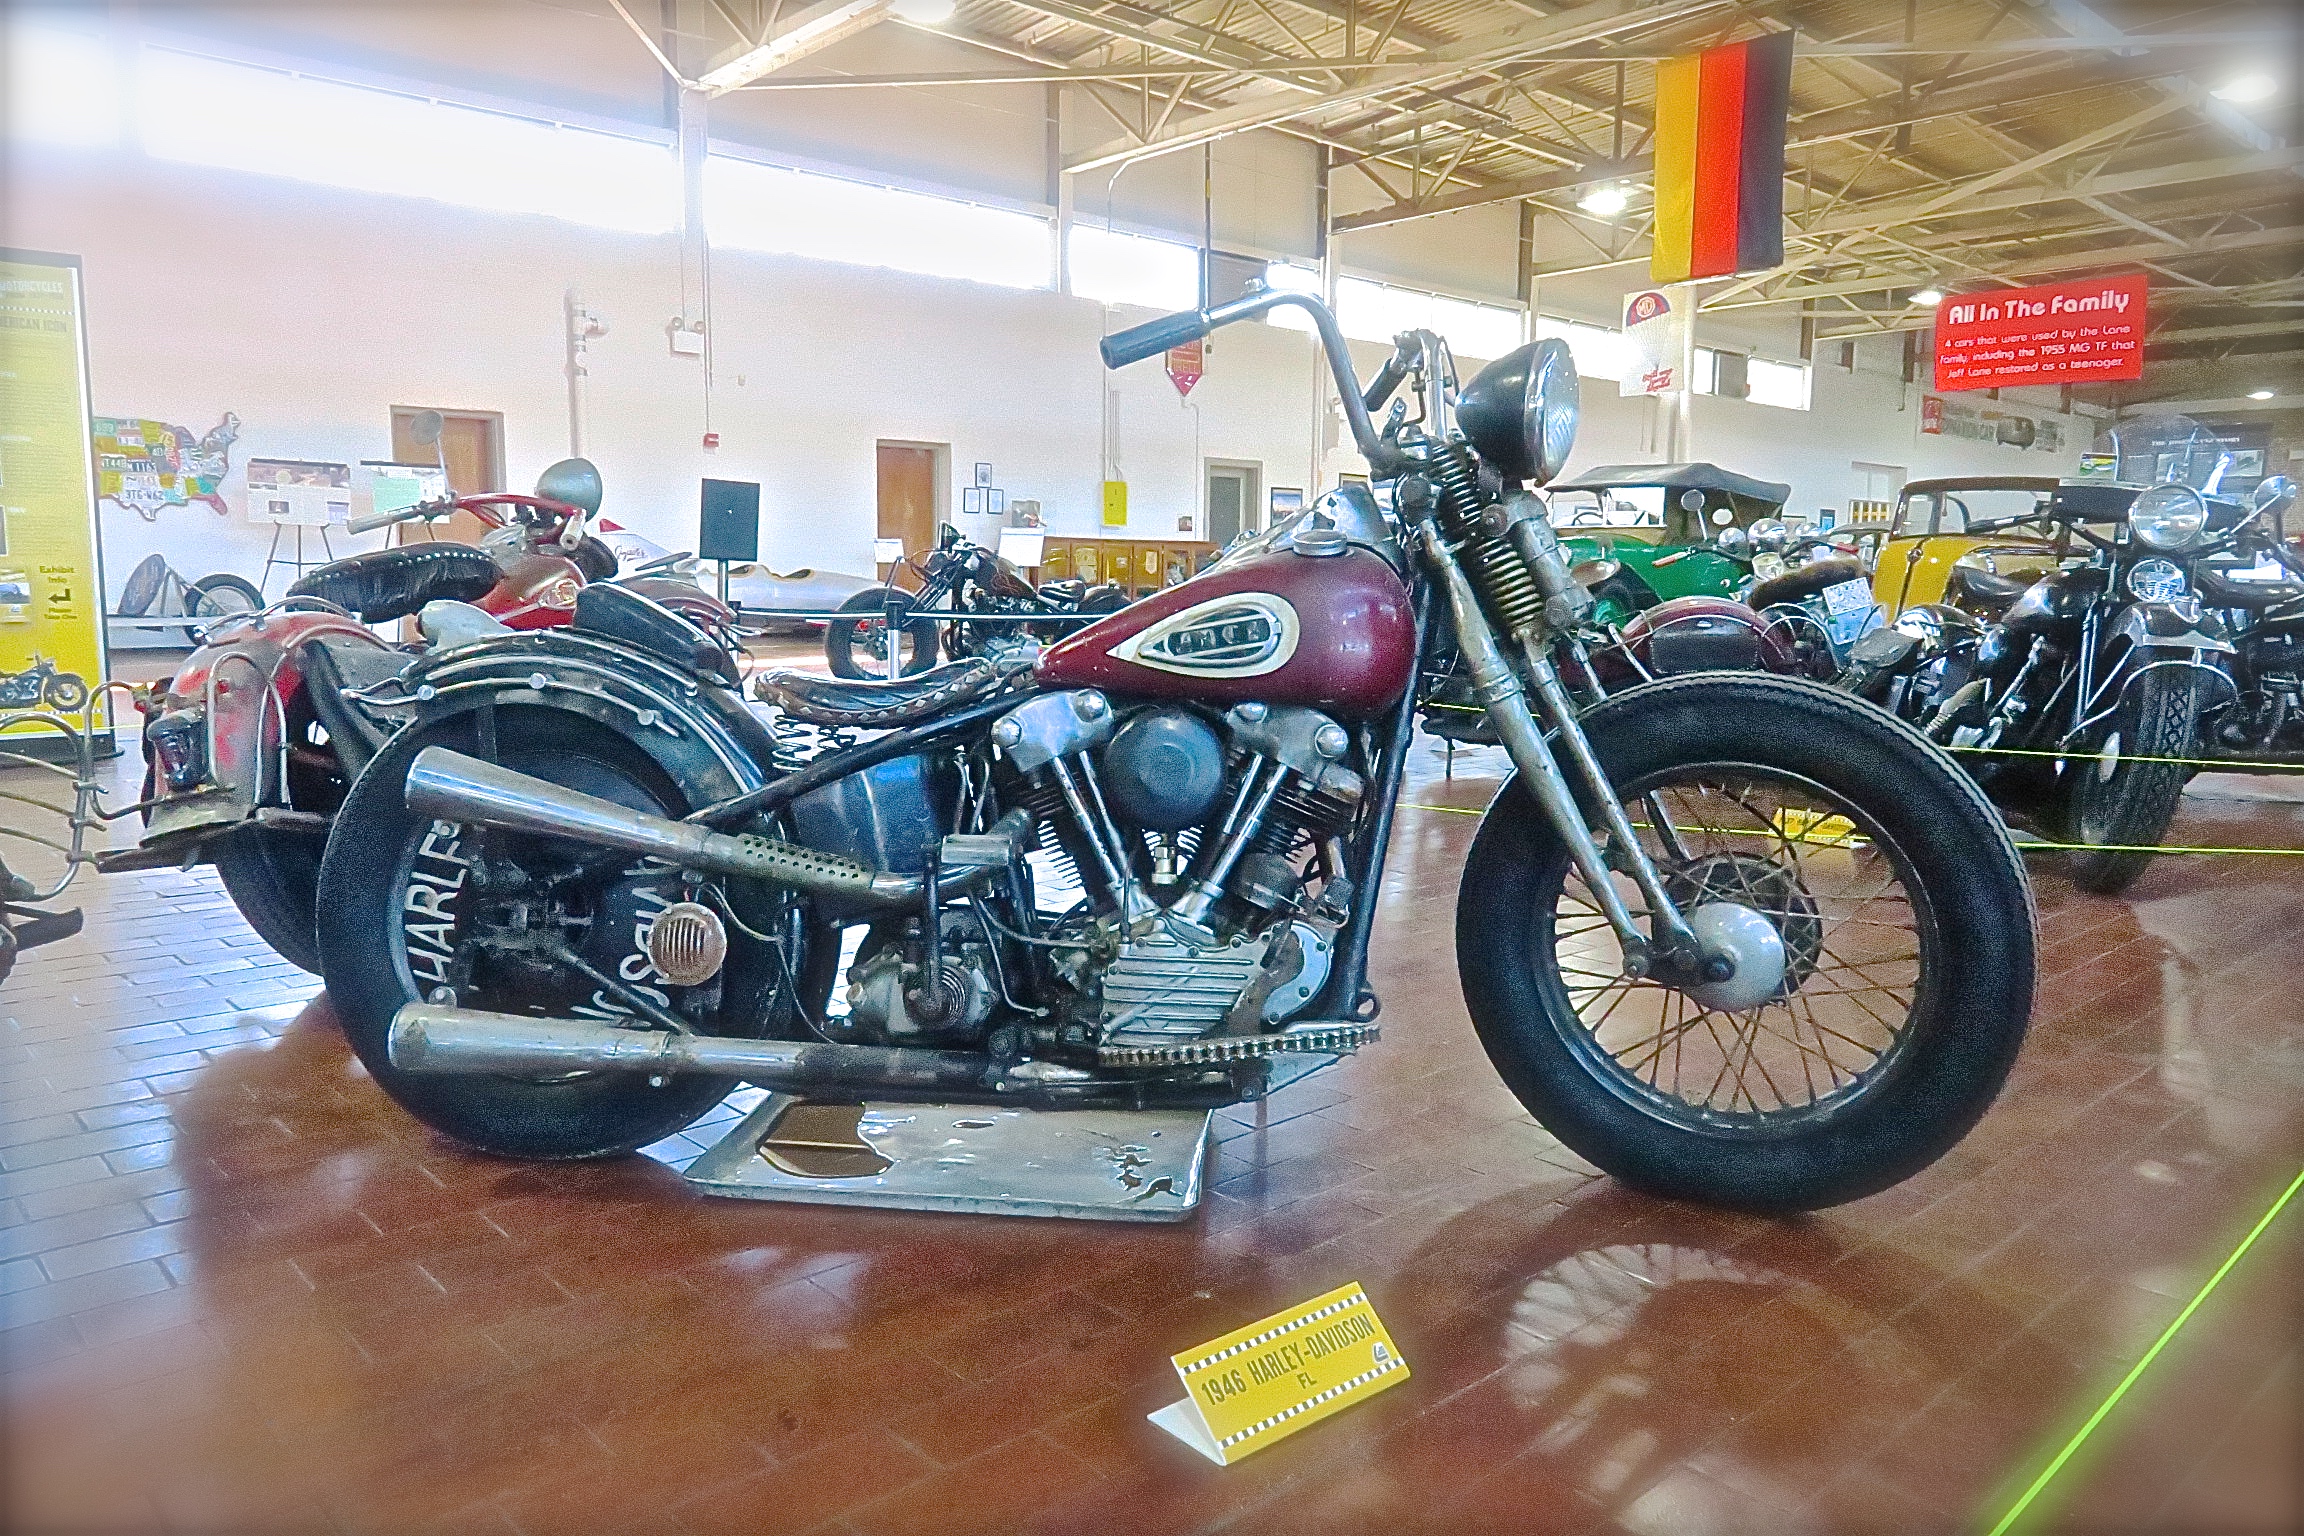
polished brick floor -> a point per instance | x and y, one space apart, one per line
245 1294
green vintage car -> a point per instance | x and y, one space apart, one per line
1652 529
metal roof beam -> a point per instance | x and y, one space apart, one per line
1596 19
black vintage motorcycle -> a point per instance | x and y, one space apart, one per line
1735 938
2170 633
897 631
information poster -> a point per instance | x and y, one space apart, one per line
51 581
2065 333
299 491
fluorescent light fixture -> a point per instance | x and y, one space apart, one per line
2245 90
926 13
1115 268
203 111
795 213
2260 394
1928 298
1605 202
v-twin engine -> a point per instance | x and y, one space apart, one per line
1208 851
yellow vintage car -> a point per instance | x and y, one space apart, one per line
1974 541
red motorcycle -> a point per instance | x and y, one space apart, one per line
251 746
1734 938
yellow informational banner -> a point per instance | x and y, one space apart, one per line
1266 1381
1115 503
51 578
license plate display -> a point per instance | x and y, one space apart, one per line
1851 596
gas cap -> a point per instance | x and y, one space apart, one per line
1319 543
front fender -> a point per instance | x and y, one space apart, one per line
2169 627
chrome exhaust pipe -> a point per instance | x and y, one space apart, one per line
429 1037
454 787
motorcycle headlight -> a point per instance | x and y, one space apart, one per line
2168 516
1519 412
1770 535
2156 581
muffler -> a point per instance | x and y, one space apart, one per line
454 787
428 1037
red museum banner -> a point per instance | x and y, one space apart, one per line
2064 333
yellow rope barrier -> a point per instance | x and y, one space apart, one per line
2030 845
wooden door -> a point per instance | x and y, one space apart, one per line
471 448
1231 501
908 495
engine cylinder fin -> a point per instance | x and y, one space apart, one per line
1305 1039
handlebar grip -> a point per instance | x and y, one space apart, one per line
369 522
1153 337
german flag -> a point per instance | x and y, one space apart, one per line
1720 160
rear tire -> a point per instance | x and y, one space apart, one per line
371 866
2128 804
216 597
1915 819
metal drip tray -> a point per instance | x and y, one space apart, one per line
1097 1165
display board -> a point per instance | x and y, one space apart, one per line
311 493
51 576
2062 333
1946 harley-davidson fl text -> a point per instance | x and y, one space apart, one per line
1734 938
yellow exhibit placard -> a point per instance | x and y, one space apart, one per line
51 585
1270 1379
1115 503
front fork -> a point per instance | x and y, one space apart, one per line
1498 687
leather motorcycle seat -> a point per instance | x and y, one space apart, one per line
873 703
1806 581
1983 588
385 584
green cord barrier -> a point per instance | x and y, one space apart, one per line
2072 1446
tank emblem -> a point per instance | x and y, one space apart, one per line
1241 634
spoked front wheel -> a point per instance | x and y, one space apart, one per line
1879 879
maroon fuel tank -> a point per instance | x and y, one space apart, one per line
1334 632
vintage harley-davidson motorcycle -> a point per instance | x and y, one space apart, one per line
2165 637
253 742
1735 938
900 634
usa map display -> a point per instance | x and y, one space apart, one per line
148 466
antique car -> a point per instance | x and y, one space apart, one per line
1656 525
1977 541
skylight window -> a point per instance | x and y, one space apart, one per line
63 87
1778 384
234 116
828 218
1115 268
1599 350
1371 311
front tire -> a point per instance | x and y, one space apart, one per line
273 877
2118 801
373 950
857 648
1857 841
